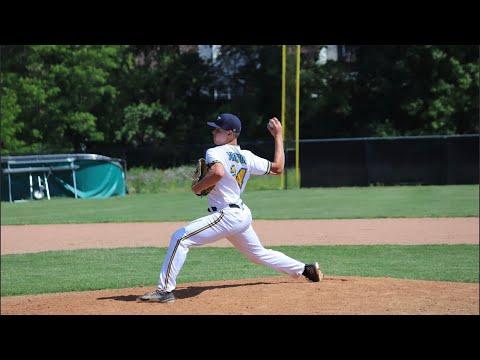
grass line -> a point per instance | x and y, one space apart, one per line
95 269
318 203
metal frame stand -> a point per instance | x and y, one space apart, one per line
74 179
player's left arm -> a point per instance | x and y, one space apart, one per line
214 174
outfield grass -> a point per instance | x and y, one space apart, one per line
96 269
315 203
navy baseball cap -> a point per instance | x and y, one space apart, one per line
227 122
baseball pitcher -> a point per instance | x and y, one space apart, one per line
222 176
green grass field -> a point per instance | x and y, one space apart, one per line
128 267
317 203
94 269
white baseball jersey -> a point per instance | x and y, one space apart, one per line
239 165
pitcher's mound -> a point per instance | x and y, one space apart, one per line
272 295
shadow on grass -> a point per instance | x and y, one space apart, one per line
189 292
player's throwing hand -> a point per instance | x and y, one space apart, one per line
275 127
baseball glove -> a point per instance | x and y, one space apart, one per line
199 174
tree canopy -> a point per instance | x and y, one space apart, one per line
72 97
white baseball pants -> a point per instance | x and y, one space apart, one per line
233 224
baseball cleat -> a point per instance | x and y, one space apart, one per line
312 272
157 296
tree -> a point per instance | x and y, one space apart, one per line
327 100
9 111
163 92
60 91
393 90
59 98
253 72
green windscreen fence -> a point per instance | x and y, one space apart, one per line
414 160
82 176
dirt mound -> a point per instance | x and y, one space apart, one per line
262 296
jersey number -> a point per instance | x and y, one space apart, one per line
240 177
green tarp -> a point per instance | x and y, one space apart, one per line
86 175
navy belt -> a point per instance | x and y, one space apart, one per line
213 208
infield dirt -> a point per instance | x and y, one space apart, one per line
273 295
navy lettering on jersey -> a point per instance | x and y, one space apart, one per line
236 157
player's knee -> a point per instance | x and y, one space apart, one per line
177 235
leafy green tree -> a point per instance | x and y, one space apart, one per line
164 97
326 100
60 91
254 74
142 124
424 89
65 97
393 90
9 111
